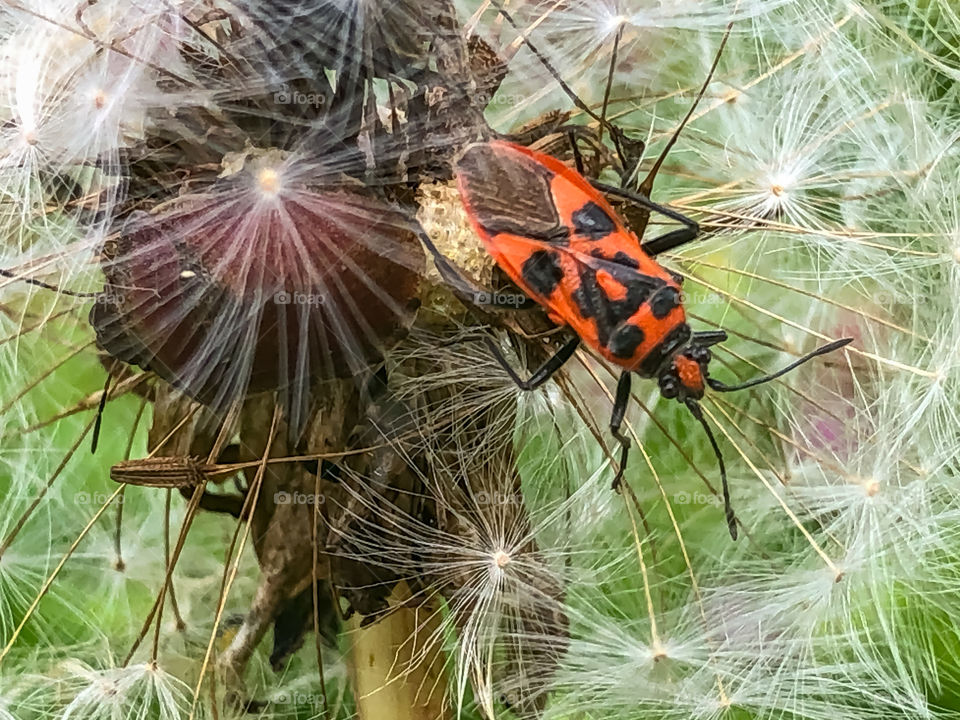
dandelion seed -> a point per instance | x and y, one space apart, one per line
500 585
132 691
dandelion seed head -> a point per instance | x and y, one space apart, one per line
870 486
443 217
615 22
273 174
273 258
500 584
781 185
131 691
78 105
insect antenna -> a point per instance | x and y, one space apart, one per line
580 104
606 92
695 410
823 350
647 185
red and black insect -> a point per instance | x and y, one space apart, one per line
556 236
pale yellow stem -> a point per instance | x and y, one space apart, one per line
396 665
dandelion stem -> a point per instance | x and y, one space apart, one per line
377 650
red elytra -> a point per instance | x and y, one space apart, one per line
577 258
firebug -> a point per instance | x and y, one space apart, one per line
555 235
559 240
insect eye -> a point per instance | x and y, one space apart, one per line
669 386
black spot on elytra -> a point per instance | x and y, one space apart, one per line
664 350
625 341
542 272
593 302
621 258
665 300
592 222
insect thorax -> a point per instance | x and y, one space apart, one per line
660 355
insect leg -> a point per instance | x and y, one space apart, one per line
217 502
668 241
542 373
466 289
616 419
577 158
647 185
630 151
706 338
